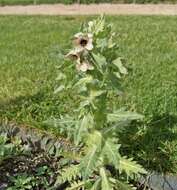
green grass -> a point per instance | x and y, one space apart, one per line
29 52
27 2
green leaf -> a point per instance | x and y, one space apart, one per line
101 43
59 89
115 127
89 161
94 139
119 65
96 93
76 185
96 185
83 81
120 185
110 150
82 130
117 74
100 59
68 174
97 25
123 186
130 167
84 104
106 185
120 115
100 62
63 121
61 76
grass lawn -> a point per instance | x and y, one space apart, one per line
27 2
29 55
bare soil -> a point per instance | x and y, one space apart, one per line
93 9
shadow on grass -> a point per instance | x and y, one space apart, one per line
37 108
27 108
153 145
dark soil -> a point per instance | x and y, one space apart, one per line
29 164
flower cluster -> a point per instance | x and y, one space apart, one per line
83 43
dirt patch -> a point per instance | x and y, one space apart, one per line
93 9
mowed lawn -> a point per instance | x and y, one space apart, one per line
30 51
27 2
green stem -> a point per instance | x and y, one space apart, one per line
100 112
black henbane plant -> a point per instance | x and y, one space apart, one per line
93 127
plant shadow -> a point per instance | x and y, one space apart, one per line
35 107
154 144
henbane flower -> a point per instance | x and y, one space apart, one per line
74 55
84 66
83 41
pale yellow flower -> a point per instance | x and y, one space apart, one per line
74 55
83 41
84 66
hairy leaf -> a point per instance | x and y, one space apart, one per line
96 185
76 185
68 174
100 62
120 115
96 93
88 163
130 167
61 76
96 26
59 89
94 138
106 185
119 65
110 150
82 130
83 81
120 185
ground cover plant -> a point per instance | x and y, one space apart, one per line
30 159
28 59
27 2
